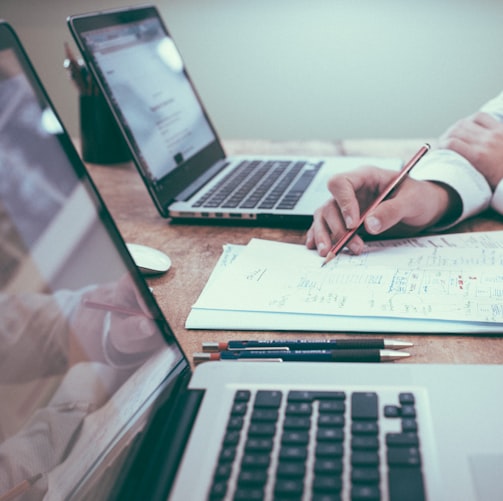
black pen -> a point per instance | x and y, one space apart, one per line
304 356
307 344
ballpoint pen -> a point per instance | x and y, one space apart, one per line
306 344
385 193
304 356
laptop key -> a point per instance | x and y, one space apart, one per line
365 493
364 405
406 484
269 399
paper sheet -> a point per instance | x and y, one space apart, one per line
448 283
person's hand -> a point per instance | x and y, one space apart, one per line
414 206
479 139
126 334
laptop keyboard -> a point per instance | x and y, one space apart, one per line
260 184
311 445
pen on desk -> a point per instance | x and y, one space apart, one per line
304 356
385 193
77 71
306 344
113 308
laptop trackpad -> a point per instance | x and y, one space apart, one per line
487 475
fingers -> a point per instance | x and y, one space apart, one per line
414 206
352 192
135 334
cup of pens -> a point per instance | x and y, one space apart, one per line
101 139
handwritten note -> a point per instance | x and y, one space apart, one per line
454 278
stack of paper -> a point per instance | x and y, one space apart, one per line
445 283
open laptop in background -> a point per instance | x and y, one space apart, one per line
173 143
100 403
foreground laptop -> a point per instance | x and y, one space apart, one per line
173 142
99 402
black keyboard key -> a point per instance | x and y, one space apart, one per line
251 494
296 423
299 409
223 471
295 438
403 456
268 399
227 454
289 488
255 460
364 428
292 453
235 423
365 493
231 438
364 405
332 406
329 449
406 398
330 435
364 458
327 484
402 439
259 444
239 408
310 396
406 484
328 466
218 490
408 411
291 469
392 411
325 496
332 420
409 425
252 477
261 429
270 415
365 475
364 442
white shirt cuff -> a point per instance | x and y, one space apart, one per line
497 199
447 167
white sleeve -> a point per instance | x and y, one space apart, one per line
497 199
447 167
494 107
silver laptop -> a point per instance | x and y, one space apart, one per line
172 140
100 403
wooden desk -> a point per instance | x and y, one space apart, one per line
195 249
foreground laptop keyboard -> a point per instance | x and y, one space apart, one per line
262 185
319 446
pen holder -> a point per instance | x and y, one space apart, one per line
101 139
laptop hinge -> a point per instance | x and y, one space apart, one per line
201 181
151 474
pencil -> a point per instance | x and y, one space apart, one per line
77 71
385 193
113 308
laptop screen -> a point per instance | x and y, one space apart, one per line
83 346
144 73
143 76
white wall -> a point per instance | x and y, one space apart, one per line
300 69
